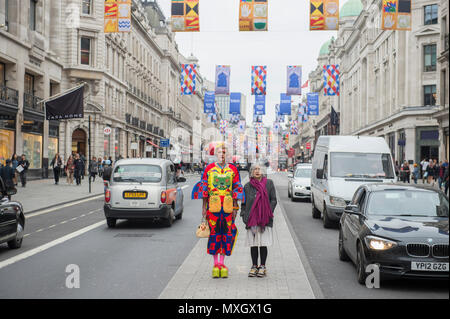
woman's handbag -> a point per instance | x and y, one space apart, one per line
203 230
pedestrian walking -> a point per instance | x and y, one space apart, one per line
7 174
416 173
100 166
257 215
93 169
79 168
441 172
446 180
56 163
23 166
405 172
220 188
107 173
70 169
83 159
424 164
15 163
429 172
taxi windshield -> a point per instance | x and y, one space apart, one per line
137 173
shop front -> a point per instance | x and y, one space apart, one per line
427 139
7 136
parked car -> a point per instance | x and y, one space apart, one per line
299 183
12 218
340 165
402 229
144 189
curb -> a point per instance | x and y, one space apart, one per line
63 203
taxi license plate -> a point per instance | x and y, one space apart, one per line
134 195
429 266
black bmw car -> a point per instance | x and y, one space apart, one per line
400 228
12 219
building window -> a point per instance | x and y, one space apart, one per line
431 14
429 54
2 75
6 14
86 6
429 94
29 84
85 51
33 15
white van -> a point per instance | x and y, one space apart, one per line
340 165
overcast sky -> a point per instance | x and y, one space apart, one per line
288 42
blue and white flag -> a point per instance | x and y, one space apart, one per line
234 118
276 127
235 103
313 103
294 80
223 79
241 126
285 104
210 98
212 117
257 118
260 104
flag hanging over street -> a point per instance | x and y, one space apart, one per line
235 103
331 79
117 16
260 105
241 126
209 103
396 15
276 127
212 117
66 106
334 117
294 80
313 103
294 127
253 15
324 15
223 79
185 16
305 85
223 126
188 78
234 118
259 75
285 104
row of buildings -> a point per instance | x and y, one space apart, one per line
132 83
393 84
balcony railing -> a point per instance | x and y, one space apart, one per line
9 96
135 121
143 125
30 102
150 127
156 130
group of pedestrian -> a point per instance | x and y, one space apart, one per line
434 172
14 169
221 190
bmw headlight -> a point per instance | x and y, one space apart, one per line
299 186
337 201
377 243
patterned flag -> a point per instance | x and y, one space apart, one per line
294 80
331 79
223 126
188 76
259 75
185 16
396 15
294 127
253 15
223 79
234 118
117 16
324 15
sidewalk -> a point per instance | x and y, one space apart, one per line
43 193
286 276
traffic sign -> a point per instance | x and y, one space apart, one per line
107 130
308 146
164 142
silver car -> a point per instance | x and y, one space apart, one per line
299 185
144 188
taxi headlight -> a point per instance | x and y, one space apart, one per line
337 201
377 243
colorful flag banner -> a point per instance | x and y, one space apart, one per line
209 103
223 126
257 118
234 118
294 127
396 15
185 16
260 105
212 117
294 80
253 15
331 79
259 128
235 103
241 126
303 113
187 77
223 79
324 15
305 85
259 75
117 16
312 100
285 104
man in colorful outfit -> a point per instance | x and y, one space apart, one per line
220 188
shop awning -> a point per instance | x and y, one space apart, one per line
152 144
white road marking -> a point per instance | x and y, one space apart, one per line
62 206
44 247
39 230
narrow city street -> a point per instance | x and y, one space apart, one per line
139 259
